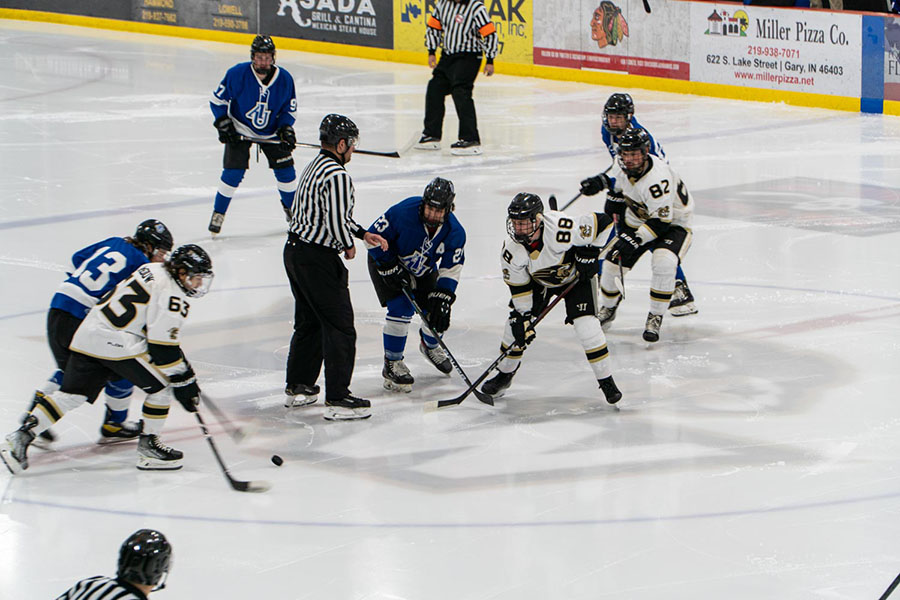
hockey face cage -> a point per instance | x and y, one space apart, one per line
633 140
191 267
525 207
439 195
618 104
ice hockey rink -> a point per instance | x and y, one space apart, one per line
754 454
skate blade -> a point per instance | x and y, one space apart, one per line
345 414
11 463
299 401
392 386
149 464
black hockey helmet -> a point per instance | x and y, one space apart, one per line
438 194
145 558
154 236
335 128
262 43
195 262
524 207
618 104
634 138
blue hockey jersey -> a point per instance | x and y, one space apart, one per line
257 110
408 238
610 140
98 269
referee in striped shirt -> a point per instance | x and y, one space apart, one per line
322 227
464 30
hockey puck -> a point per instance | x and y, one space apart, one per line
277 460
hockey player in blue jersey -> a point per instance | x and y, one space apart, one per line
618 116
98 269
255 99
425 255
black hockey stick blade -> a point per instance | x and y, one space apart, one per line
551 201
309 145
647 6
236 484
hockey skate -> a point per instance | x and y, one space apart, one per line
607 314
437 357
347 409
465 148
45 438
112 432
396 376
496 385
153 455
215 222
682 303
14 449
299 394
427 142
610 391
651 327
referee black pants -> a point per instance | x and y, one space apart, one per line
323 318
455 75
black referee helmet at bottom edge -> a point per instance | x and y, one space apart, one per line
145 557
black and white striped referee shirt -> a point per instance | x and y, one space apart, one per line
322 212
463 27
102 588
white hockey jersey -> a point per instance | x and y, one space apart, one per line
550 264
147 307
658 194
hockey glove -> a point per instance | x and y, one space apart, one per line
439 302
227 133
596 184
586 261
288 138
522 332
624 248
186 391
615 205
393 274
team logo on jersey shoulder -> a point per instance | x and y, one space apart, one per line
663 212
586 232
505 274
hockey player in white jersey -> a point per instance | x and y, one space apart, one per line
657 218
544 253
134 333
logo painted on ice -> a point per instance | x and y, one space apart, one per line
722 24
259 114
343 6
608 25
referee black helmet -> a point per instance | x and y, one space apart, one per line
145 558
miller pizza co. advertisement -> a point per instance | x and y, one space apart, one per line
613 35
891 59
351 22
791 50
512 19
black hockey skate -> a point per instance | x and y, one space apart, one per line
682 303
299 394
651 327
215 222
437 357
112 432
496 385
608 386
46 437
465 148
14 449
428 142
607 314
396 376
349 408
153 455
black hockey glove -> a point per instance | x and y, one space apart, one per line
186 390
438 307
522 332
393 274
227 133
586 261
288 138
615 205
624 248
596 184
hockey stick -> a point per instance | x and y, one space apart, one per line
308 145
480 395
438 404
620 280
647 6
237 433
240 486
572 201
891 588
551 201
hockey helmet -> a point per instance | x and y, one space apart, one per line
154 236
524 208
618 104
191 263
262 43
145 558
439 195
335 128
635 139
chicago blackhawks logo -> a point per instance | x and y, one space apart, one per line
608 26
